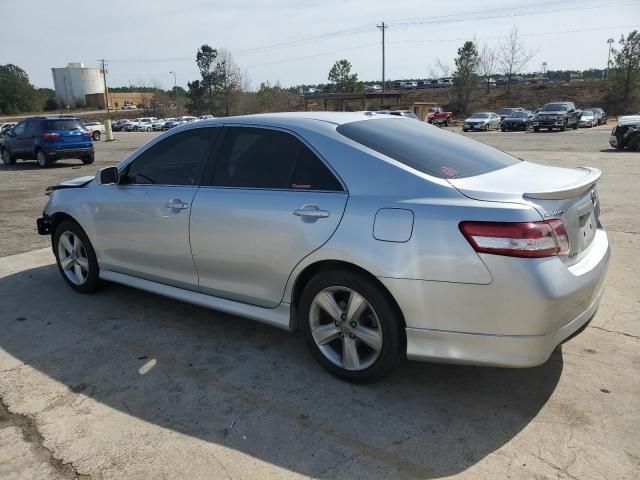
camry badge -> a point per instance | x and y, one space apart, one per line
553 213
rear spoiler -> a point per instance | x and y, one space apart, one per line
571 190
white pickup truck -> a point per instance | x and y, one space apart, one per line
96 128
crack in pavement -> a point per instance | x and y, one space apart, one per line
637 337
34 438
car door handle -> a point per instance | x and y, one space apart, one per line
311 211
176 204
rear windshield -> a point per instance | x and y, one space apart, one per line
64 124
427 148
555 107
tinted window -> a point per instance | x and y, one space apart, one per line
264 158
33 127
426 148
66 124
177 160
19 128
555 107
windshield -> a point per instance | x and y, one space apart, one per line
518 115
587 113
480 115
555 107
427 148
64 125
505 111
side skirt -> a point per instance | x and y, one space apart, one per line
277 317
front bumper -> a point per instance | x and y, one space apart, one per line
548 123
530 307
476 126
44 225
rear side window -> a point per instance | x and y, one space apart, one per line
66 124
427 148
177 160
263 158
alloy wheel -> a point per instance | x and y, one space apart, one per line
42 160
345 328
73 258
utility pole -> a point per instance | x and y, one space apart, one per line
107 122
382 28
610 42
175 89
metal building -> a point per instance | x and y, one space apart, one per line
74 81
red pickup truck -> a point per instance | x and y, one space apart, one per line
436 116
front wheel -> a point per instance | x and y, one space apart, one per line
88 160
351 326
575 125
96 136
536 129
7 158
75 257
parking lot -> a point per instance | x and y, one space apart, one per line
126 384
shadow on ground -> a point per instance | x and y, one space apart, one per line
253 388
33 165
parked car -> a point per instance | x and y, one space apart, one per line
507 111
158 125
205 117
129 107
626 134
437 116
130 125
144 124
398 113
446 82
47 139
481 121
398 85
96 128
422 84
435 83
517 120
588 119
5 128
600 114
373 88
118 125
560 115
169 124
366 266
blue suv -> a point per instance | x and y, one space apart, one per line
47 139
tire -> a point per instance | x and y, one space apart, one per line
376 321
503 129
70 257
465 130
563 127
7 158
575 125
446 122
88 160
536 129
42 159
95 136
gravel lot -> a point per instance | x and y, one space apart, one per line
125 384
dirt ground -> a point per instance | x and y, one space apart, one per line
125 384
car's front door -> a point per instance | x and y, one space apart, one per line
142 224
270 201
18 142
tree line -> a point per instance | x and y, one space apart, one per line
18 95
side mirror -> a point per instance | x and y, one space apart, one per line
108 176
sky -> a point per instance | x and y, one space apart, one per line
296 41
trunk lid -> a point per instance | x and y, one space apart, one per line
555 192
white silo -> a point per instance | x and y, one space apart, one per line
74 81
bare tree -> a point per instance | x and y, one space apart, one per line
443 67
229 79
488 63
513 55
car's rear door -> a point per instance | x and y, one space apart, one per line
142 224
270 201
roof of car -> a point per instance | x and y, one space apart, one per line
337 118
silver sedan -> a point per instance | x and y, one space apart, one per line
378 237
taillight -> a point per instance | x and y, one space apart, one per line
50 135
523 239
87 134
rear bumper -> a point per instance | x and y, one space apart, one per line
70 153
517 320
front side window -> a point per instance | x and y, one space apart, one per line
263 158
176 160
19 128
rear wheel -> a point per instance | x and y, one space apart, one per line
350 326
75 257
536 129
88 159
575 125
41 158
634 144
7 158
96 136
